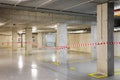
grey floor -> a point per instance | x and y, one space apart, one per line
38 66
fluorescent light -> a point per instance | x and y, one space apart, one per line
2 23
116 29
34 29
53 26
20 32
80 31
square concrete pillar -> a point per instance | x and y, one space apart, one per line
14 38
105 27
28 40
94 39
44 39
39 40
21 40
62 41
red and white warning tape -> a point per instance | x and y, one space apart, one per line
65 47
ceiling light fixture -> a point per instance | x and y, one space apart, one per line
34 29
117 29
20 32
53 26
80 31
2 23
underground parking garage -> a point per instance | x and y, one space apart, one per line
59 39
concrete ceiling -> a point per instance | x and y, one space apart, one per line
22 19
83 11
81 6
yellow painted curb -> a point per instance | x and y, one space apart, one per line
97 75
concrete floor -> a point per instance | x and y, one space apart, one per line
38 66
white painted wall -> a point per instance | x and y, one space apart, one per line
84 38
77 39
5 41
117 46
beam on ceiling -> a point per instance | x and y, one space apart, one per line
45 10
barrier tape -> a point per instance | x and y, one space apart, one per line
65 47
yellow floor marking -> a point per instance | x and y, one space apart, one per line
72 68
73 61
56 63
117 71
97 75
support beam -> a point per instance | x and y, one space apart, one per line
94 39
62 41
45 10
105 27
28 40
14 38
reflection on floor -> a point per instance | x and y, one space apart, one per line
37 66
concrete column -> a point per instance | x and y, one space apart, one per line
14 38
28 40
21 40
105 27
62 41
39 40
44 39
94 39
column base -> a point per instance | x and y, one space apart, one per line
98 75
